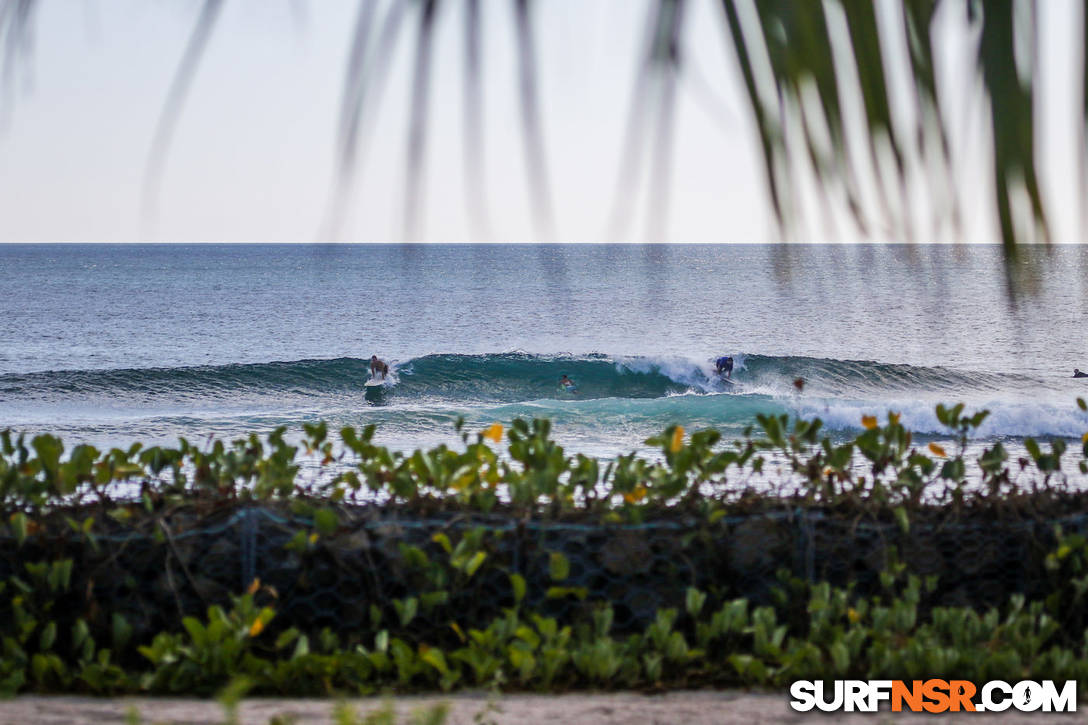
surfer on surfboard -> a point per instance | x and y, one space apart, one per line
567 384
724 365
378 366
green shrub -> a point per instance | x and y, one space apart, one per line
62 511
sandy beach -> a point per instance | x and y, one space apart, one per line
675 708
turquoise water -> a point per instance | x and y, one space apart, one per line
109 343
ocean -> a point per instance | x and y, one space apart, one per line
109 344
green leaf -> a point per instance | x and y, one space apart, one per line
840 656
902 519
297 542
517 582
196 631
122 631
60 575
18 527
444 541
561 592
741 663
414 556
326 521
434 657
39 666
475 562
558 566
48 637
80 632
694 601
406 609
430 600
286 637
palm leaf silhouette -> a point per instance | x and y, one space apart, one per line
819 79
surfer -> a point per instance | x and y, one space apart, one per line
378 366
568 384
724 364
1079 374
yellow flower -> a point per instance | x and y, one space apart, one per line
869 421
635 496
494 433
257 627
254 586
937 450
677 439
852 615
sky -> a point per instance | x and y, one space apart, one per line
252 157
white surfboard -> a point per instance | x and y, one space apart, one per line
372 383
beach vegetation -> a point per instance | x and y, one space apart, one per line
470 583
779 459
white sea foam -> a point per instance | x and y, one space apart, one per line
1015 419
698 375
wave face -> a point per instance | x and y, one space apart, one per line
850 377
618 398
518 376
469 378
314 377
503 377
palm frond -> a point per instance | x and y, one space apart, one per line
532 133
417 125
848 98
475 201
806 56
16 40
1010 87
365 78
175 100
652 99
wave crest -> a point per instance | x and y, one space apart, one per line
613 390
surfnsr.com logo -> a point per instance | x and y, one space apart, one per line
933 696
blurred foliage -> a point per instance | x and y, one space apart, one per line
846 92
805 65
